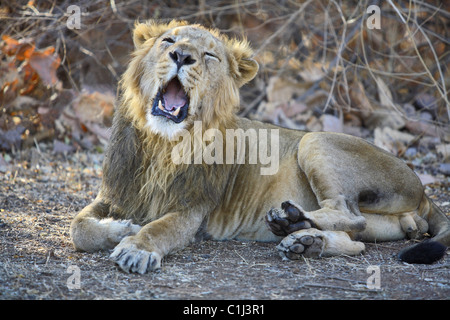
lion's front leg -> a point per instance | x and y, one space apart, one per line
91 230
143 252
132 257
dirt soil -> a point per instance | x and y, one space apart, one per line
40 193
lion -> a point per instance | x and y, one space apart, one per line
330 193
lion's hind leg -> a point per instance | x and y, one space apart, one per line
313 243
288 219
291 217
352 178
303 238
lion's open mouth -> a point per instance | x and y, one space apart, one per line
171 102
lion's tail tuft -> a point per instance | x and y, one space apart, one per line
425 252
433 249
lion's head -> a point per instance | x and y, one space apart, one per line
182 73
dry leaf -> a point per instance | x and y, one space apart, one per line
294 108
94 107
9 78
45 63
283 90
314 124
30 79
384 94
22 49
424 127
311 71
384 119
102 133
359 98
392 140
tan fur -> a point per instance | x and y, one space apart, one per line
344 188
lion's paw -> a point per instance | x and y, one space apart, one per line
131 259
288 219
132 228
299 244
119 229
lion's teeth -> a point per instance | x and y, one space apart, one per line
160 106
176 112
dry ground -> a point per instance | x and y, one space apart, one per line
40 193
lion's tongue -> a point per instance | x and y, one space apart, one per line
174 97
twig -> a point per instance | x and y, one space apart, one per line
254 103
412 142
281 29
447 265
443 90
315 285
375 78
347 280
338 58
241 257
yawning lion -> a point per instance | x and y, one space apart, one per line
328 193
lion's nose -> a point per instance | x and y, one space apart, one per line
181 58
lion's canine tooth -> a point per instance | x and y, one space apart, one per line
176 112
160 106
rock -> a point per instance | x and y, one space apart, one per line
3 164
331 123
444 151
445 168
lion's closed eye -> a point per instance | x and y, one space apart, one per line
209 55
168 40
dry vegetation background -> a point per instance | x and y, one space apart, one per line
321 68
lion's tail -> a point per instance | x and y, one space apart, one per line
433 249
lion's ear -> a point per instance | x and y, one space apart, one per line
243 66
248 68
152 30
